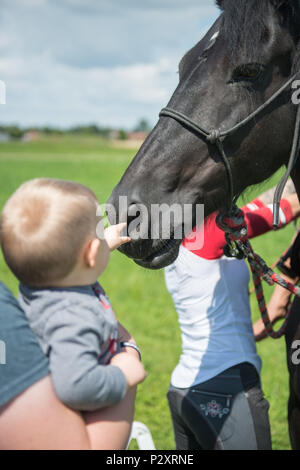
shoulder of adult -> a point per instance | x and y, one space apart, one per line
22 361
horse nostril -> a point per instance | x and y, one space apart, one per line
134 216
134 211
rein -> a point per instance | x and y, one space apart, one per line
232 222
239 246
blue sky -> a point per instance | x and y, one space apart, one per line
110 62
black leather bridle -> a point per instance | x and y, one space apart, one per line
217 137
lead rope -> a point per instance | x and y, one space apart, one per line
238 246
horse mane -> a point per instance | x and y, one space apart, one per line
245 25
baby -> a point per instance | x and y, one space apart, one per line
48 238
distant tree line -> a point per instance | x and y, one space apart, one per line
17 132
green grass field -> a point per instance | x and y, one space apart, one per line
140 297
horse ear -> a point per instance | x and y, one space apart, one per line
220 3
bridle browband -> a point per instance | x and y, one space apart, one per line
217 137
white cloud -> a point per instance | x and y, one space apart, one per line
102 95
68 61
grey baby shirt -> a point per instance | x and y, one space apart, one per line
77 330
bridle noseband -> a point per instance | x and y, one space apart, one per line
217 137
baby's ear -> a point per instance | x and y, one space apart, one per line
90 253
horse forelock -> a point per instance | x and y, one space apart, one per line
246 25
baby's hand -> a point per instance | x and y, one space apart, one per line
131 367
113 236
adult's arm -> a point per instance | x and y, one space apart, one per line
37 420
259 220
259 217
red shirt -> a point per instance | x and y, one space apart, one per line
259 220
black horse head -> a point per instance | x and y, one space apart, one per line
249 53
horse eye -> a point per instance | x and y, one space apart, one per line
248 72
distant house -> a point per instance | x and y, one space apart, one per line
29 136
137 136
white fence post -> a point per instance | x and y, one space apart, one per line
142 435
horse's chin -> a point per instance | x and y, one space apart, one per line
162 258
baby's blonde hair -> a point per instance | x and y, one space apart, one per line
43 228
